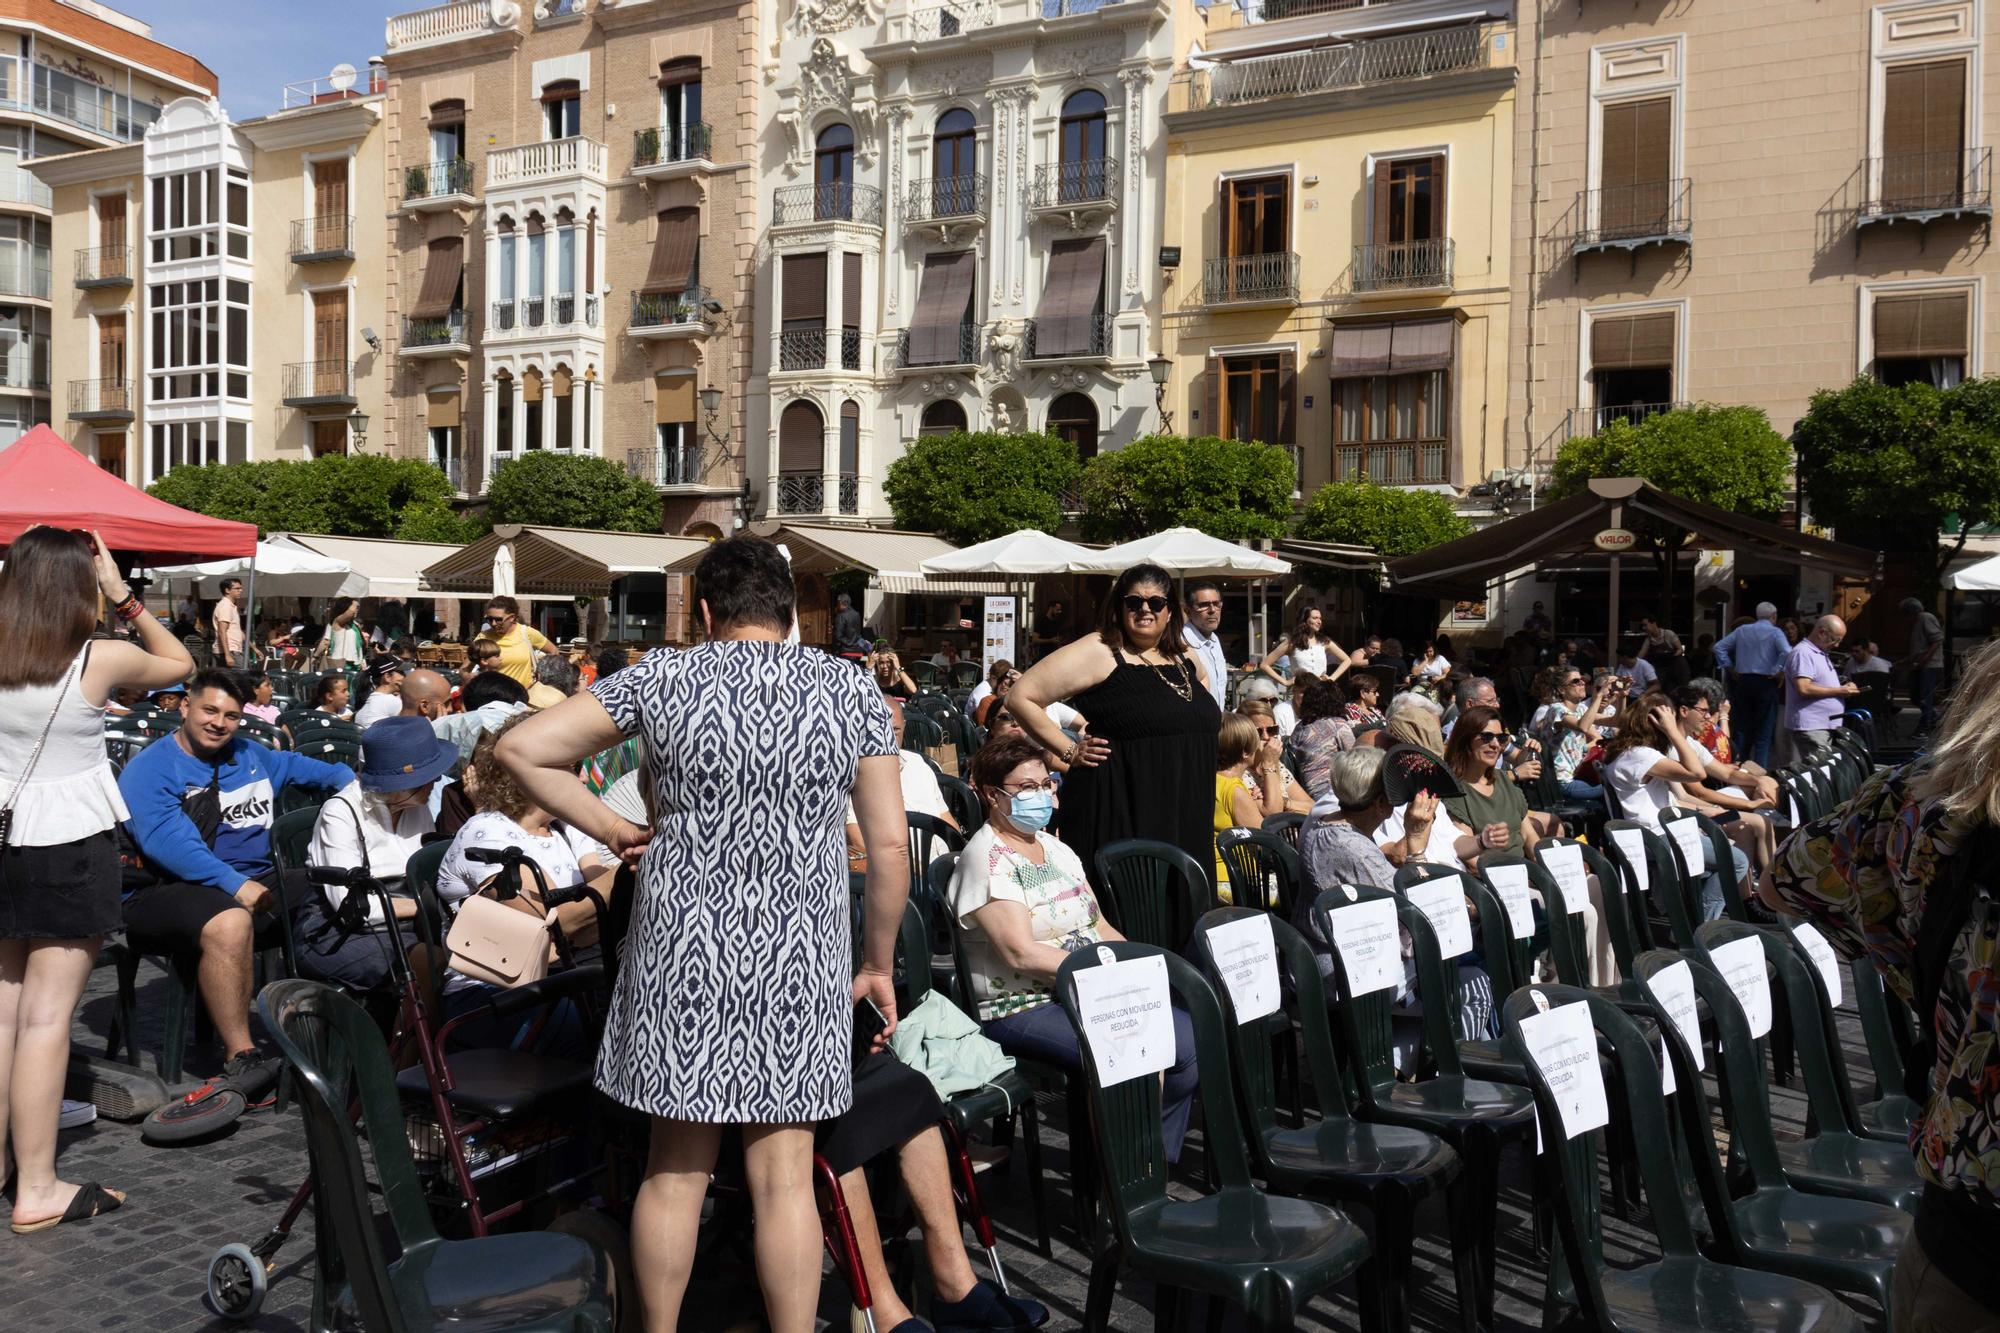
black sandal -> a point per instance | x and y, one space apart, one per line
91 1200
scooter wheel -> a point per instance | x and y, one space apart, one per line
236 1282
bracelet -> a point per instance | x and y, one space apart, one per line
129 609
1069 755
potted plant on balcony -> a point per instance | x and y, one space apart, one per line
646 146
415 182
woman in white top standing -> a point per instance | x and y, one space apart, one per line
1310 648
59 880
345 644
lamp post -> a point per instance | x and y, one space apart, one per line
357 427
1161 368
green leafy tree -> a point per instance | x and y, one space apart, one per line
1387 519
1728 457
343 495
437 521
1227 488
973 487
571 491
1887 467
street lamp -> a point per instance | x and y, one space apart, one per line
1161 368
357 426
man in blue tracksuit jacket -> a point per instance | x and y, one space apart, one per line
211 899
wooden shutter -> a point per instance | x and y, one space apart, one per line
443 410
1635 162
1923 324
330 325
1632 342
1067 316
801 440
442 269
330 188
531 385
111 226
1380 232
850 290
447 113
1211 407
562 90
673 400
805 289
1438 215
1923 133
943 298
675 245
111 348
1288 397
686 69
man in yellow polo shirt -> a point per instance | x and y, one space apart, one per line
518 643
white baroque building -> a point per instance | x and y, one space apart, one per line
960 231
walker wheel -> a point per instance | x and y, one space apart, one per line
236 1282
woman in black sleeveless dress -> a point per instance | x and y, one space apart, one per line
1146 766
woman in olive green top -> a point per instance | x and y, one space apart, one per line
1494 808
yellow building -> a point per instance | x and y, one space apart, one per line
1335 252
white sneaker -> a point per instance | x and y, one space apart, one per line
75 1115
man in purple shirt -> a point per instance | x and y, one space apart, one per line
1814 693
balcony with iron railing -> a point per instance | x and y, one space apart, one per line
957 18
454 472
1095 345
1075 189
440 336
1922 187
667 314
1630 217
319 384
104 266
320 239
450 23
101 400
1408 266
1251 280
1597 420
960 351
429 185
548 160
1394 463
1365 63
570 311
1277 11
948 202
665 150
665 467
827 201
801 493
803 349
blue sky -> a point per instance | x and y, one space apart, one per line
256 47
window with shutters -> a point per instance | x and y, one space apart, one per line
1632 365
329 375
1073 417
1407 227
533 415
802 331
1635 169
110 354
833 173
561 388
1250 400
1924 164
683 135
850 310
850 457
562 109
1921 337
326 233
1392 401
1256 263
801 459
1082 170
329 437
447 132
503 416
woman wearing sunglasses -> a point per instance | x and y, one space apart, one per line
1492 806
1145 765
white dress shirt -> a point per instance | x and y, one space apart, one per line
1208 648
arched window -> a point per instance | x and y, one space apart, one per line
561 384
562 108
942 418
683 135
1082 146
833 173
850 457
801 459
954 163
533 410
1073 417
447 120
503 417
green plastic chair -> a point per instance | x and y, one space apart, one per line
1153 891
1264 870
1765 1223
1475 1116
963 801
924 673
1836 1160
1286 825
965 675
1388 1169
1888 1033
1876 1120
525 1281
258 730
920 733
1267 1254
1681 1289
1650 880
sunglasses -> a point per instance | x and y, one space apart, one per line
1135 604
1492 737
1267 732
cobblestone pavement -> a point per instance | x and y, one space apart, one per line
144 1267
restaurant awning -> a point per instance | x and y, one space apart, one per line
558 562
1186 552
382 567
1329 555
894 558
1464 568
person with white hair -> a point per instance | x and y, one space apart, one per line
1815 696
1754 656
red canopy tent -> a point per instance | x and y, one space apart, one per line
43 481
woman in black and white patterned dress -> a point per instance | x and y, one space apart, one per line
734 1003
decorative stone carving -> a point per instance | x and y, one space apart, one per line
1135 78
1003 352
826 83
949 80
1071 61
1060 381
941 386
823 16
1001 415
549 9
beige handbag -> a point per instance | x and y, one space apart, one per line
497 944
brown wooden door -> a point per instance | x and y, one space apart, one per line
111 351
329 437
814 609
1259 216
1635 166
330 206
111 236
330 341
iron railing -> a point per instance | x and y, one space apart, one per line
569 308
322 237
1097 340
660 310
927 25
801 493
1638 214
1914 184
1066 184
437 180
318 381
850 493
1397 463
802 349
662 145
98 398
453 469
827 201
1062 9
661 466
1405 266
1273 11
934 197
1600 418
963 352
1322 69
503 316
850 349
104 266
1241 279
442 331
534 312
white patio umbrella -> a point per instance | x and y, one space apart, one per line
279 570
1021 554
1981 577
1185 553
503 570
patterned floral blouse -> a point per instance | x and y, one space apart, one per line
1860 875
1061 911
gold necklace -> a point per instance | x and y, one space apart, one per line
1184 687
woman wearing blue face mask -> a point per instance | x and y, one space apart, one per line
1023 905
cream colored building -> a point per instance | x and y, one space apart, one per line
1742 204
235 312
1336 269
573 196
74 75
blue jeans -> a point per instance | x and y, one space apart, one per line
1923 689
1713 890
1044 1033
1754 714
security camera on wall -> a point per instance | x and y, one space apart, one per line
374 340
